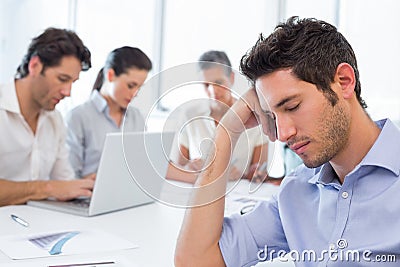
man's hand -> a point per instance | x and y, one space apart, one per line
247 113
258 173
66 190
91 176
195 164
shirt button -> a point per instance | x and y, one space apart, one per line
331 246
345 194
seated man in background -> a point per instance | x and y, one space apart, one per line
34 160
198 123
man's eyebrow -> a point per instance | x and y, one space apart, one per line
285 100
67 76
216 82
64 75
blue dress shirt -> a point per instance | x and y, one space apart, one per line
320 222
88 125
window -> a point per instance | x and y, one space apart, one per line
190 28
194 27
373 35
34 15
104 25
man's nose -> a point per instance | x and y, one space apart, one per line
285 128
66 91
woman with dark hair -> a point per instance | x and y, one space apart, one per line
117 83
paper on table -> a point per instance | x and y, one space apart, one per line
61 243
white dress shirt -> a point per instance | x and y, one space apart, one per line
196 131
25 156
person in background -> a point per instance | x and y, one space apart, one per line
342 200
199 122
34 160
117 83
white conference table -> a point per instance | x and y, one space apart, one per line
153 227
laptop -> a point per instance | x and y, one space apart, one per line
131 172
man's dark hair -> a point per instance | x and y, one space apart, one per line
51 46
207 60
121 60
312 48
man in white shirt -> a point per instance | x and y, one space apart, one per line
199 121
34 160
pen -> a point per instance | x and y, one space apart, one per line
19 220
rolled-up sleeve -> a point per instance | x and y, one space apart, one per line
246 238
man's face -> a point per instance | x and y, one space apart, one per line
218 84
305 119
52 84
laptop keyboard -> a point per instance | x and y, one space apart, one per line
80 202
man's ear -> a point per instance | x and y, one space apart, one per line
346 78
35 66
207 90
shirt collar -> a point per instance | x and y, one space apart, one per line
383 153
325 175
8 99
98 101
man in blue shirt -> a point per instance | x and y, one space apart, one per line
340 208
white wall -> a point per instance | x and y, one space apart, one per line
192 27
22 20
374 34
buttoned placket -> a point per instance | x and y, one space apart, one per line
35 154
36 150
110 119
345 194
